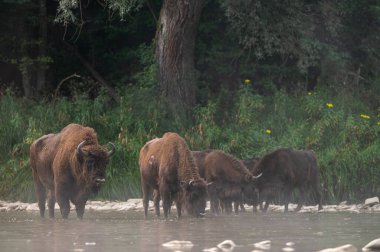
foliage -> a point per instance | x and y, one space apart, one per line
301 74
345 138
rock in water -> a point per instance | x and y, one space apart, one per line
227 245
265 245
371 201
372 246
344 248
175 245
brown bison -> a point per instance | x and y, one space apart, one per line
229 177
284 170
167 167
68 166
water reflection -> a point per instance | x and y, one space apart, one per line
121 231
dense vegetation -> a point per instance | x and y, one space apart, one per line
303 75
342 129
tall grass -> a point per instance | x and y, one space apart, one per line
342 129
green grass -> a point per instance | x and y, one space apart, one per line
345 136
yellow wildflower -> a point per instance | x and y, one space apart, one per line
365 116
268 131
378 123
247 81
309 93
329 105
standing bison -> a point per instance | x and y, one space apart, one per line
284 170
167 167
68 166
229 177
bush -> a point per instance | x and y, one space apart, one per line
340 128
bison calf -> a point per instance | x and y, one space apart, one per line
68 166
229 177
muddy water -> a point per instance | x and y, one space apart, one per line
128 231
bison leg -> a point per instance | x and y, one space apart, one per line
242 208
301 199
236 207
214 202
178 205
146 192
40 193
317 195
64 204
265 209
227 206
79 208
156 201
166 199
287 194
51 203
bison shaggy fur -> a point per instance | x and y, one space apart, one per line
284 170
167 167
228 175
68 166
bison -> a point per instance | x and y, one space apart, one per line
68 166
167 167
285 170
229 177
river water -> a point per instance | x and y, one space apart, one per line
129 231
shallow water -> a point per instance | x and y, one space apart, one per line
128 231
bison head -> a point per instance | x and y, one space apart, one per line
195 193
93 160
250 189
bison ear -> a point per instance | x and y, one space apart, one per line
79 152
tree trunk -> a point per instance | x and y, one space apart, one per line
175 43
42 49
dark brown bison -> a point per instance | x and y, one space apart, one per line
68 166
229 178
167 167
284 170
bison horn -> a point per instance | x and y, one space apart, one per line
112 151
79 149
258 176
191 182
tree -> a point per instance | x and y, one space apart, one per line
175 43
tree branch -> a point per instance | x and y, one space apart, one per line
95 74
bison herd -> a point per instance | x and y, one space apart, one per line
71 166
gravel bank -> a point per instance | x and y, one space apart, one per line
136 205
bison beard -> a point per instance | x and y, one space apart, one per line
287 169
68 166
167 167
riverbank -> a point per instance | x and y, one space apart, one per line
136 205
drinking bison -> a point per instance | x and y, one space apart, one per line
284 170
68 166
229 177
167 166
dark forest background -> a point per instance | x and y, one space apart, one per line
244 76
